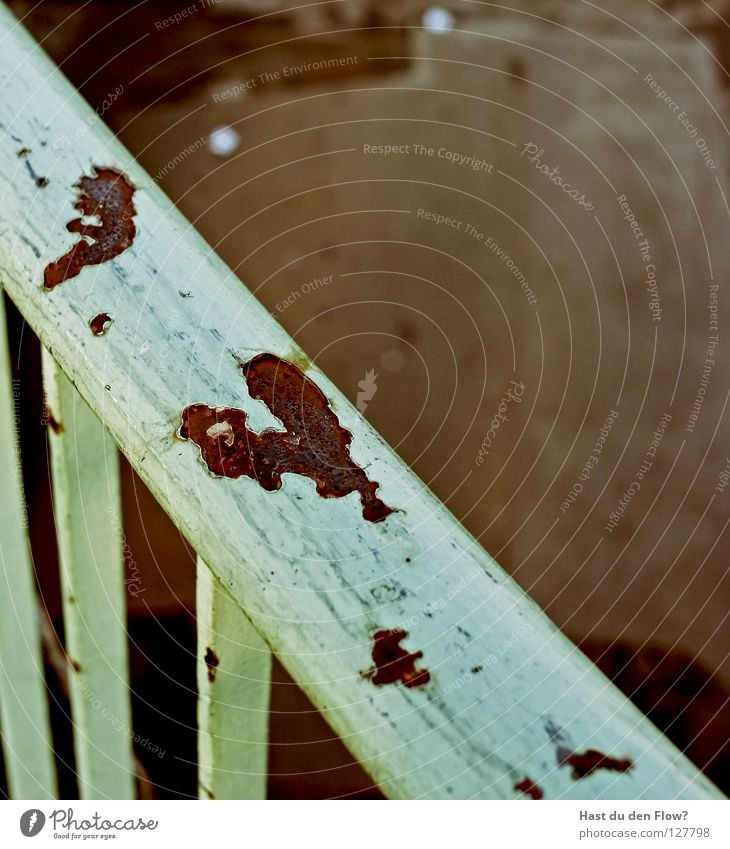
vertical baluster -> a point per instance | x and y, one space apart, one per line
234 685
87 511
26 731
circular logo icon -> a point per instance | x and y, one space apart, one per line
32 822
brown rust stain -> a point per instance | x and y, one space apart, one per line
211 661
590 761
100 323
393 663
313 445
54 425
108 196
529 788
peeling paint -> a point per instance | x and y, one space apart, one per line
313 445
590 761
211 661
100 323
108 196
393 663
583 764
54 425
529 788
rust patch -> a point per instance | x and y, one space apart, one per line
393 663
54 425
75 665
24 151
100 323
590 761
108 195
313 445
529 788
211 661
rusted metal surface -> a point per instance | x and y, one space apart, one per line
108 196
393 663
313 443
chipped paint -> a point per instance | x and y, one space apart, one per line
583 764
211 661
100 323
590 761
54 425
108 196
529 788
393 663
314 443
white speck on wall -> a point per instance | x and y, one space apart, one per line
223 141
438 19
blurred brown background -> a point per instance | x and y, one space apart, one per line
262 122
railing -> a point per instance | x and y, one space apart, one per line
389 621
